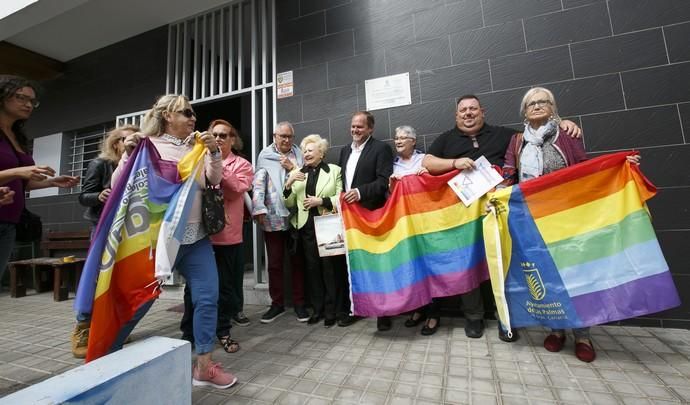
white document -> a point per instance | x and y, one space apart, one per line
286 86
388 91
471 184
329 235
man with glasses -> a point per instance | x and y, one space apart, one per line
272 168
457 148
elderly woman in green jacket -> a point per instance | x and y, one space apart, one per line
312 190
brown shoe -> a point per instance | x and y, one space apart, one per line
80 339
554 343
584 351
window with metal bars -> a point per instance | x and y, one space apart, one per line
84 147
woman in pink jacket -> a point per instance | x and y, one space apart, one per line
227 244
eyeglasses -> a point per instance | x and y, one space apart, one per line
223 135
285 136
23 99
187 112
539 103
401 138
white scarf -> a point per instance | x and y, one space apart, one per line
532 156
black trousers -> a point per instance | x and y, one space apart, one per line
472 306
326 277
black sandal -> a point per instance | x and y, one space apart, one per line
229 345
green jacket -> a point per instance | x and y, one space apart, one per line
328 185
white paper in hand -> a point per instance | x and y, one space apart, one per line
471 184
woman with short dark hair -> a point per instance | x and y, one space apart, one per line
18 171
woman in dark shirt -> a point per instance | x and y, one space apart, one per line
18 172
96 187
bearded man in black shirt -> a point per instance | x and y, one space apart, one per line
457 148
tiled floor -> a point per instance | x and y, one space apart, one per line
291 363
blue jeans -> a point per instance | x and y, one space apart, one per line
7 236
197 264
230 264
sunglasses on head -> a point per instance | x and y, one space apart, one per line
187 112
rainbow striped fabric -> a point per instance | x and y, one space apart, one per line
423 243
576 248
118 275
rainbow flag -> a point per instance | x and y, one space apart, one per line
423 243
576 248
118 275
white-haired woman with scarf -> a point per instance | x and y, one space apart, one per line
541 149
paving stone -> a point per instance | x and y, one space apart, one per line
380 386
570 395
600 398
326 390
249 390
349 394
398 400
634 400
402 389
484 386
288 362
456 397
269 395
291 398
656 392
318 401
480 398
623 388
430 393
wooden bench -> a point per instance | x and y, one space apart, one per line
73 241
40 269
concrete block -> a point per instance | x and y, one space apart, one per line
157 370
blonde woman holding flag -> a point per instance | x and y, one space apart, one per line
169 126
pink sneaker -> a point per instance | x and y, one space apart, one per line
214 376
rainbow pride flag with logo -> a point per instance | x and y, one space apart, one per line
141 219
423 243
576 248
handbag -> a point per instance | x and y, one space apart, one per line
29 228
212 209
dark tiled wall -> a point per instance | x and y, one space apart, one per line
619 68
119 79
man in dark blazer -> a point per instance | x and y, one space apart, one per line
367 165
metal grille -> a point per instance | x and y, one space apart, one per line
222 52
130 119
85 147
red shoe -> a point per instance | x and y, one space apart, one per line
585 352
214 376
554 343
